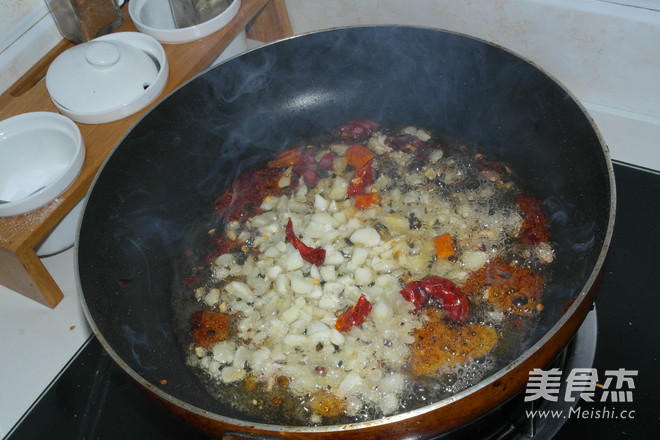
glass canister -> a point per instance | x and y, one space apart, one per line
84 20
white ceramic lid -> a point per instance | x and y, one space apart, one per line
107 78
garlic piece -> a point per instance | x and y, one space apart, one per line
366 236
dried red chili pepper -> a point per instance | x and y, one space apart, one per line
310 170
534 229
367 200
307 168
449 296
327 161
286 158
485 165
242 200
414 293
363 178
358 155
354 315
313 255
356 130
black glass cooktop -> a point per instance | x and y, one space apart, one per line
93 399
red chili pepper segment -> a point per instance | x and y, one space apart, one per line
363 178
327 161
356 130
358 155
414 293
242 200
310 254
367 200
354 315
307 168
305 165
449 296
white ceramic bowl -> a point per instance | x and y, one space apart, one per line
108 78
155 18
41 154
63 235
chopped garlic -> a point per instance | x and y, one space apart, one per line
286 308
366 236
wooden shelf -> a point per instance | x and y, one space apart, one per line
20 268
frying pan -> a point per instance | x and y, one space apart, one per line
153 199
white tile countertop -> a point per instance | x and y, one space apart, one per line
37 342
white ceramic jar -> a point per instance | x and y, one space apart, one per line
108 78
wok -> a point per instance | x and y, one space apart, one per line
153 199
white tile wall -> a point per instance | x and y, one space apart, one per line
18 17
607 54
27 32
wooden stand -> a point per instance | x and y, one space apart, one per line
20 268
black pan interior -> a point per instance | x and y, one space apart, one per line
164 176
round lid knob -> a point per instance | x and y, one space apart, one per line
102 54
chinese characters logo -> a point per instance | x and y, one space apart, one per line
546 384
